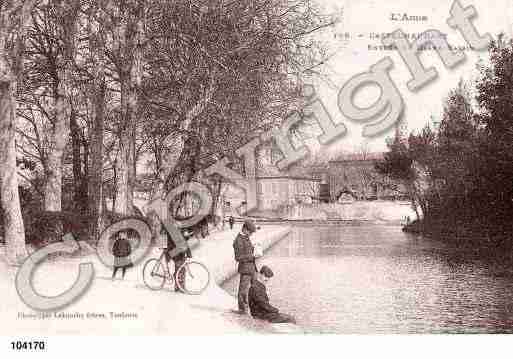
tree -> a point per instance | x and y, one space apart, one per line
14 18
494 166
225 73
109 83
398 164
126 28
66 14
366 175
47 93
97 90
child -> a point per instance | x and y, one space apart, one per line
121 251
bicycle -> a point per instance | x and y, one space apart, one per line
156 271
195 274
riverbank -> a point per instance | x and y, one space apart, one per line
378 212
375 211
375 279
127 307
475 235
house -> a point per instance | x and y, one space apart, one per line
273 193
277 192
275 189
354 175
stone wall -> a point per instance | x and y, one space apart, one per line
376 211
361 179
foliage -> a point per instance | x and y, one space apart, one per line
461 171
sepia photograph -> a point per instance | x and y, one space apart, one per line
273 167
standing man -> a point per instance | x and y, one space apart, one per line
226 209
243 249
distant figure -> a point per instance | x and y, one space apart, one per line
244 255
231 221
408 220
226 209
259 301
121 250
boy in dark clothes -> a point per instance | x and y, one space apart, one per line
259 301
121 251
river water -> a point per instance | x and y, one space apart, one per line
370 279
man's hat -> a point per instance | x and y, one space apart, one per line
249 225
266 271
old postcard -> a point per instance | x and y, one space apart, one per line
210 167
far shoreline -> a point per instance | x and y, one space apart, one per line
492 240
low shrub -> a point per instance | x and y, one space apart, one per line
44 227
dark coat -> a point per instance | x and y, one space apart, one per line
171 245
120 250
259 301
243 250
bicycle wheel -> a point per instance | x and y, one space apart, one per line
192 277
154 274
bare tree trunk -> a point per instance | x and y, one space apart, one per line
122 183
125 169
62 106
130 47
79 176
171 160
62 111
95 205
14 229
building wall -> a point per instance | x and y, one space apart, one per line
360 177
273 193
304 190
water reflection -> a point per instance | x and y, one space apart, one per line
376 279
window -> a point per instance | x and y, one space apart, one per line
285 189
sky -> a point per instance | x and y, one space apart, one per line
361 17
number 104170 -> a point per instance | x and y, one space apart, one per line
27 345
